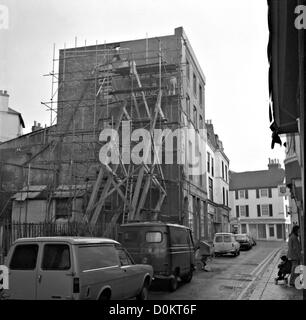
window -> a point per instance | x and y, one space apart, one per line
56 257
210 189
123 257
226 173
219 239
63 208
200 95
201 124
222 169
223 195
227 238
227 197
212 167
243 228
188 106
263 193
194 84
208 162
130 237
264 209
153 237
241 194
24 257
179 236
95 257
195 117
188 69
242 210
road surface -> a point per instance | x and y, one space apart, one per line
230 277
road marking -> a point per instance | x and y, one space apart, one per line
258 270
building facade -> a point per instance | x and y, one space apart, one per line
11 122
97 86
217 167
257 206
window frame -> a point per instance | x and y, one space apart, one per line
43 257
194 84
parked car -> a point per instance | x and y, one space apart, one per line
169 248
225 243
244 240
74 268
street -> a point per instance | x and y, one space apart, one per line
228 279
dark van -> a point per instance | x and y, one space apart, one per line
169 248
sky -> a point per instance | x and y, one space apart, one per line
229 39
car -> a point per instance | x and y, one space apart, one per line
74 268
225 243
168 247
244 240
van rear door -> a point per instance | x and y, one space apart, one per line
55 272
23 271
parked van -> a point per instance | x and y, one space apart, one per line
226 243
74 268
169 248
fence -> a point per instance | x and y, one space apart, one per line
9 232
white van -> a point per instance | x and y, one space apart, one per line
226 243
74 268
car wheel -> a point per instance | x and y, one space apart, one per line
105 296
173 283
144 293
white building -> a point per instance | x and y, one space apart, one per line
217 184
257 207
11 122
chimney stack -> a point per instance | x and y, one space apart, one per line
4 100
36 126
274 164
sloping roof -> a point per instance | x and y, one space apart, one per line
256 179
12 111
30 192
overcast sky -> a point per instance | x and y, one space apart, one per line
229 39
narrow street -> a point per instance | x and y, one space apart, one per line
228 279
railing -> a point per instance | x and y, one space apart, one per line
9 232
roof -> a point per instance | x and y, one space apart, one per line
12 111
30 192
71 240
256 179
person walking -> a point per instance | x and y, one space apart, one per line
294 252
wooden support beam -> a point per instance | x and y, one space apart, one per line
136 193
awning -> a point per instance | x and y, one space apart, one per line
292 171
30 192
283 56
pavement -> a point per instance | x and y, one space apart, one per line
264 287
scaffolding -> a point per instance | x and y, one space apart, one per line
114 85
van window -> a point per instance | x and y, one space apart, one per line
153 237
179 236
99 256
56 257
130 236
227 238
219 239
24 257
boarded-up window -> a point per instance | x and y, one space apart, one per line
63 208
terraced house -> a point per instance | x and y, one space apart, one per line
257 205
